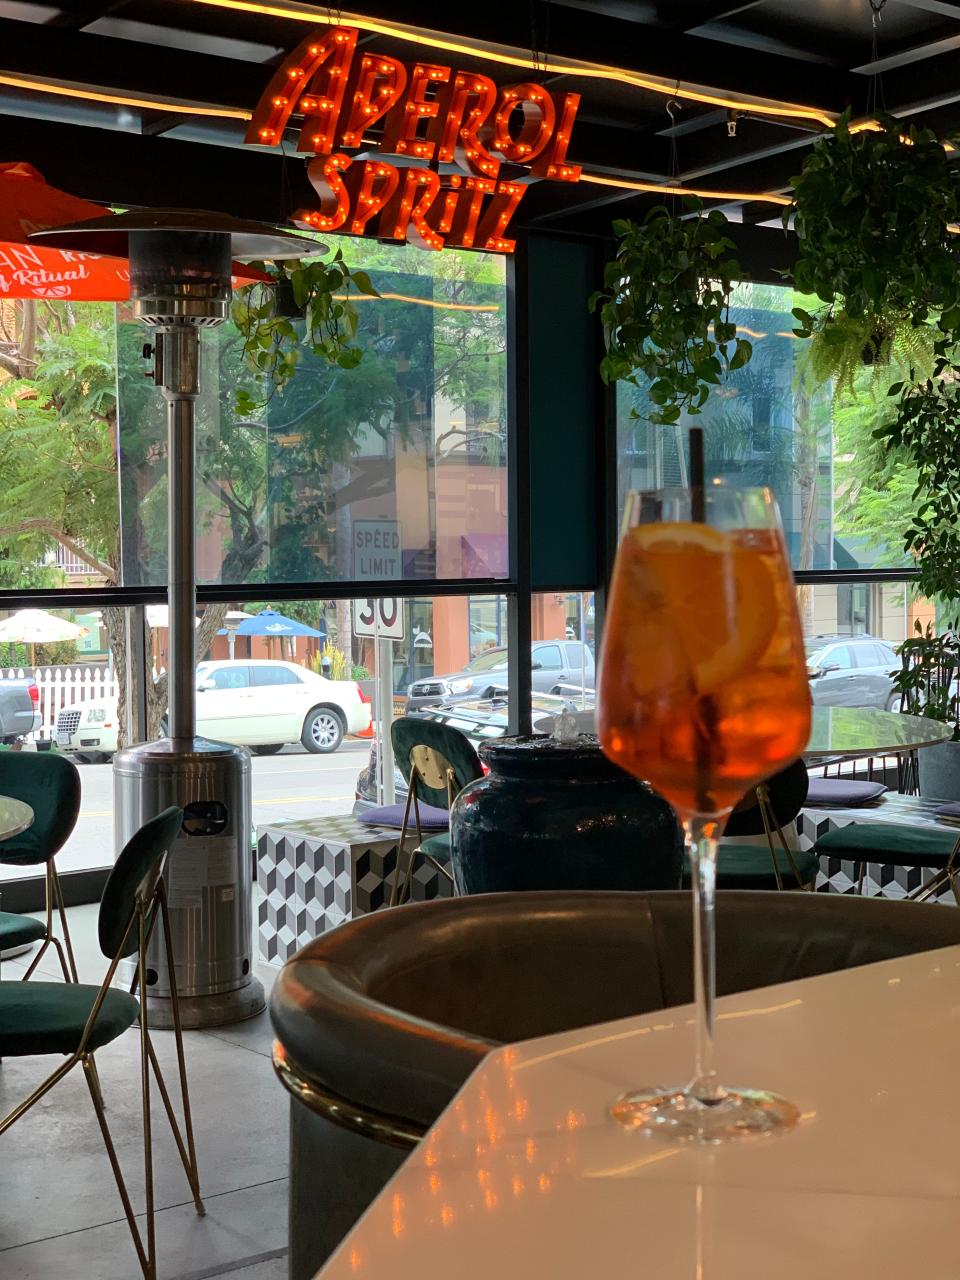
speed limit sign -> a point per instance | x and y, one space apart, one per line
381 616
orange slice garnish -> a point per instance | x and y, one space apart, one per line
711 595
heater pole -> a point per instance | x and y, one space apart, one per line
179 358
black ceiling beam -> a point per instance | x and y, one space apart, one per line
111 63
79 15
598 38
130 169
916 88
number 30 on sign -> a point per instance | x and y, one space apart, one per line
382 616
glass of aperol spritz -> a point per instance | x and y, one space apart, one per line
703 693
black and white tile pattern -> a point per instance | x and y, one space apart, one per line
315 873
882 880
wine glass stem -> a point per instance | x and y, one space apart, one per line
701 837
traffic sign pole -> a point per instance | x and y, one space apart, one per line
385 709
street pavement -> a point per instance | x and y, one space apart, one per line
291 784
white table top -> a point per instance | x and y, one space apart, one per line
524 1176
15 816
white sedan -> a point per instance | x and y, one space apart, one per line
254 703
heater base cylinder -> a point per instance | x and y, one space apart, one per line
197 1012
208 876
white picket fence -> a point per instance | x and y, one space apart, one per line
63 687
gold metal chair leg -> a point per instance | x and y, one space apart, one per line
147 1260
411 787
189 1157
405 891
145 1091
38 1093
53 897
47 924
94 1076
763 796
58 893
861 876
438 866
36 959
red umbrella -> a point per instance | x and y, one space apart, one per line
28 203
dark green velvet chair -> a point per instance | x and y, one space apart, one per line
50 785
893 844
77 1019
767 811
437 762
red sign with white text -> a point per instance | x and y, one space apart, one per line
496 137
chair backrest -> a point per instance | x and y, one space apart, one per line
50 785
444 746
136 871
787 790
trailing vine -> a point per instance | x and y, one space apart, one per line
272 344
876 212
666 309
927 424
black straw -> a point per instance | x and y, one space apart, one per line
698 510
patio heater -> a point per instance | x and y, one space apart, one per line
180 283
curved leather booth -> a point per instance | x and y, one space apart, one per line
379 1022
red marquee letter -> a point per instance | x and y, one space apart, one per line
374 89
334 208
290 90
401 127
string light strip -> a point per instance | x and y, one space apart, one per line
656 188
515 58
420 302
144 101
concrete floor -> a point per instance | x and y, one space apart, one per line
60 1213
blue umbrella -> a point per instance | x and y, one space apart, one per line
270 623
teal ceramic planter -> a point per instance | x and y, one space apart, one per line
560 815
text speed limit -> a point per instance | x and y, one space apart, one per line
381 616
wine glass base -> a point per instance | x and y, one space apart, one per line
677 1115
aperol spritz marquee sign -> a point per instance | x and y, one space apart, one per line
430 116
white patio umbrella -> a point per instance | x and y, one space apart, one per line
158 615
36 626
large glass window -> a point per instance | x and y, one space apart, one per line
770 423
394 469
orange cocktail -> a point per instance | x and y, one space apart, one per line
703 693
703 688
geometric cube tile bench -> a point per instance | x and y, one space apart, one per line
314 873
882 879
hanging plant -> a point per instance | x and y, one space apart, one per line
872 211
927 424
666 309
265 315
842 350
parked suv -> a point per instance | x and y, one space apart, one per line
555 662
852 671
19 707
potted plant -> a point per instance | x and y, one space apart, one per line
666 309
266 316
927 683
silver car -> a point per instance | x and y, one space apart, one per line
852 671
